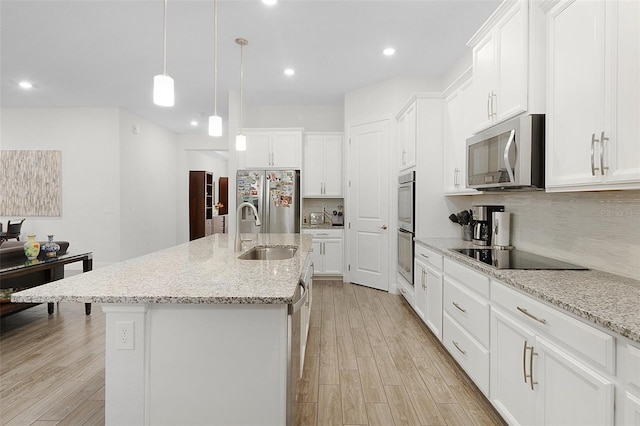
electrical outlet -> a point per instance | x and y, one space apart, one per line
124 335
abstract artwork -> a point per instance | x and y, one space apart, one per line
30 183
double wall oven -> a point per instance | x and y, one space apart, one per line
406 224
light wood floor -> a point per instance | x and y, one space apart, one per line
370 360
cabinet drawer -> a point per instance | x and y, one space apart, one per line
430 257
468 309
468 277
471 356
323 233
585 340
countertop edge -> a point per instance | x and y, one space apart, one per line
509 277
224 291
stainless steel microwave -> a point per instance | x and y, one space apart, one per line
509 155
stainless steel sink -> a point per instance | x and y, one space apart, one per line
269 253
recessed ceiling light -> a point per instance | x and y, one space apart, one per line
289 72
194 123
389 51
25 85
270 2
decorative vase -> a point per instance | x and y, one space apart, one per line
50 248
31 247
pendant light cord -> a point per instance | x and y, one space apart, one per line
164 41
215 57
241 82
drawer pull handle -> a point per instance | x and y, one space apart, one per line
459 307
458 347
321 233
424 255
524 311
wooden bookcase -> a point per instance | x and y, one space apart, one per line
201 201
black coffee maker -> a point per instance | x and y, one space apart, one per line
483 226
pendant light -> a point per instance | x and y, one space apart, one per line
162 83
241 140
215 121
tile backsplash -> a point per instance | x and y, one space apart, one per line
599 230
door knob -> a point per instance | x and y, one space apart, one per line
384 227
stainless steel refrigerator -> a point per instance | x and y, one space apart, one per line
276 195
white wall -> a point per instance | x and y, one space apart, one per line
148 184
89 141
384 98
312 118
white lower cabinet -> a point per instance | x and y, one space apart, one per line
630 375
536 364
328 249
538 379
428 282
466 320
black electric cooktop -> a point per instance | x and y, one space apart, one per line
516 259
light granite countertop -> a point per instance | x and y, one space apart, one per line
204 271
609 300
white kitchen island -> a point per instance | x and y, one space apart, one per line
194 334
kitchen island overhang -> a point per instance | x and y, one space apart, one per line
205 334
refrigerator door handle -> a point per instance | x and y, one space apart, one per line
264 202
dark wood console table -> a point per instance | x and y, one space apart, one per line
21 275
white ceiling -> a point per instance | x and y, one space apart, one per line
98 53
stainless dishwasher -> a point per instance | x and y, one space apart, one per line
295 325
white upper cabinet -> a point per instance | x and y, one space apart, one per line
407 136
273 149
458 126
593 95
322 175
507 70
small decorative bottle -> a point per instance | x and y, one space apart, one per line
31 247
50 248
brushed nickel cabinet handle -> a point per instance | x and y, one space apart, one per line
593 165
489 106
524 311
458 347
602 140
524 361
532 381
459 307
493 110
424 255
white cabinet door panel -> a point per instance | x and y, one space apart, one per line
575 92
631 410
572 393
333 166
433 315
258 150
313 165
484 58
624 147
332 256
512 63
285 150
510 393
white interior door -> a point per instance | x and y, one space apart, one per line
368 215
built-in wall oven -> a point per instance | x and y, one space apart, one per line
406 224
